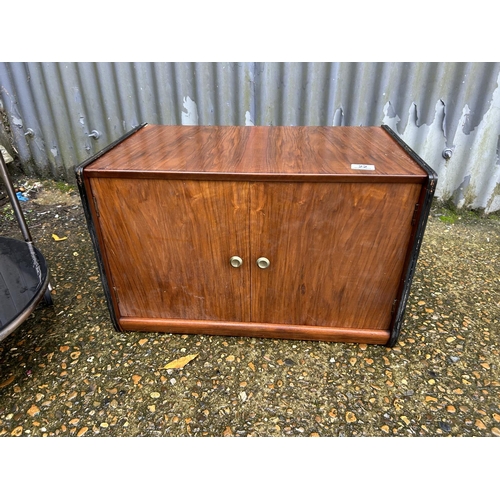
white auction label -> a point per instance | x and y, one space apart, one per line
362 166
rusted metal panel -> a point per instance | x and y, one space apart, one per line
51 110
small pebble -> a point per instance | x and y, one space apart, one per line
17 431
34 410
480 424
445 426
350 417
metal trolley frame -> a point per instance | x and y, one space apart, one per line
24 275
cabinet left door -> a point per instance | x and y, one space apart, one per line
167 246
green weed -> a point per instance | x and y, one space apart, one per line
7 213
449 216
64 187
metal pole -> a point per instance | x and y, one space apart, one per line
14 201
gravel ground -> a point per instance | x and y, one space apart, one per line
66 372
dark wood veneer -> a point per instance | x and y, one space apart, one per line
316 151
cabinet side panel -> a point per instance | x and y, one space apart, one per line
169 245
85 188
336 252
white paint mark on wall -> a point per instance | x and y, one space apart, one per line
471 175
475 158
54 151
431 141
190 116
494 204
391 119
338 117
248 119
17 121
484 167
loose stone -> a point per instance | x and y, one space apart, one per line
34 410
480 424
350 417
17 431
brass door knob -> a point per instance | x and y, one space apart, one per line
263 263
236 261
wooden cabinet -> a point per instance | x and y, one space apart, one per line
180 217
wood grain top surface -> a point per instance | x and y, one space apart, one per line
258 150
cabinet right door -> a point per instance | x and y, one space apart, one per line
336 251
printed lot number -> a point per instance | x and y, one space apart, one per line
362 166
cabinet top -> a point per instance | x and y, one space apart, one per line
259 150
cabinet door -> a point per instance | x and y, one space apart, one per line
336 251
168 245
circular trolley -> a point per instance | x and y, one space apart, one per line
24 275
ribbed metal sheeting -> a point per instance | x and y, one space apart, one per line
50 109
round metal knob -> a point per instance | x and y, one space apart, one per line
263 263
236 261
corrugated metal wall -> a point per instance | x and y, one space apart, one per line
49 109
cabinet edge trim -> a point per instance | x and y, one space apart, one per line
269 330
428 188
256 176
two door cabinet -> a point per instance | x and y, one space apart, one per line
284 232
